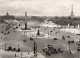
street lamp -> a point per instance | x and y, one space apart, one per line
48 34
35 49
5 46
69 46
44 32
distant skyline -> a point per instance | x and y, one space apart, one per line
40 7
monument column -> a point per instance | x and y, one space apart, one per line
25 20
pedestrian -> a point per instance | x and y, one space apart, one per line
1 37
15 55
76 42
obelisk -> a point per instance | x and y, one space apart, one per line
26 20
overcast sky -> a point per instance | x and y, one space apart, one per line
40 7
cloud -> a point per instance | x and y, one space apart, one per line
39 7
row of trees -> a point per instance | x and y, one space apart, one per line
65 20
58 20
2 18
